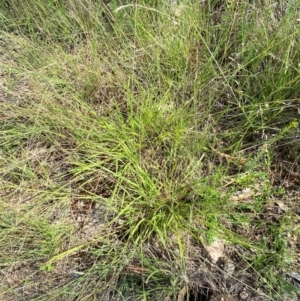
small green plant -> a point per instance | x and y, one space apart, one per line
133 135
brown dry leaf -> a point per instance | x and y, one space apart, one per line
216 250
182 293
236 160
282 206
241 197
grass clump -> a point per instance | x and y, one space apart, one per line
146 148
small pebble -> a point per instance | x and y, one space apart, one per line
229 267
287 297
244 295
221 297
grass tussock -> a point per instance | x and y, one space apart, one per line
149 151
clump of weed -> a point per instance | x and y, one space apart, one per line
133 136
